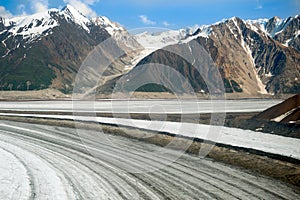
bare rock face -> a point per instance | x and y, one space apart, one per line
289 35
275 64
232 55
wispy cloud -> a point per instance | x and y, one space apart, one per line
165 23
90 2
39 5
259 5
146 21
297 4
5 13
21 9
83 6
165 2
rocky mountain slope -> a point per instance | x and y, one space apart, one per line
253 56
46 50
281 119
286 112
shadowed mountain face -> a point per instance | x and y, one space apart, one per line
288 33
287 111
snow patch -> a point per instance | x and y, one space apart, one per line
296 34
261 86
269 75
154 41
261 24
281 117
33 25
138 58
111 27
205 32
159 40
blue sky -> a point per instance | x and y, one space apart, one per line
171 14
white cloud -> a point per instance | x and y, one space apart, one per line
5 13
146 21
83 7
165 23
39 5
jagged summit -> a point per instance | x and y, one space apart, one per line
254 56
37 25
70 13
274 27
70 9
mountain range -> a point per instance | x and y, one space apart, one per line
253 56
46 50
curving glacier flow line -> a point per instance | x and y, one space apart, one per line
49 162
265 142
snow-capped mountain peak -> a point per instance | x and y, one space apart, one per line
269 26
36 24
273 26
5 21
70 13
110 27
23 31
32 27
29 27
